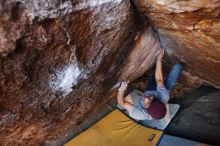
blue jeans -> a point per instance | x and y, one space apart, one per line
170 80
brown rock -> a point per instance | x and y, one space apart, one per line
189 80
142 56
61 59
13 18
188 30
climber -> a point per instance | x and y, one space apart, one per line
152 105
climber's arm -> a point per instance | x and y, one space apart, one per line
120 96
159 72
167 116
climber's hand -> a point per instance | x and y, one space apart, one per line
160 56
123 86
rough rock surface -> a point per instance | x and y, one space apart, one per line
190 31
59 59
142 56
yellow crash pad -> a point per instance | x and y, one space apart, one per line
116 129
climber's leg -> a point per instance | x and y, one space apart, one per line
173 76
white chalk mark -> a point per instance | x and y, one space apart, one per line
66 78
68 36
47 8
94 3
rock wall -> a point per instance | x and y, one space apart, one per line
59 59
188 30
142 55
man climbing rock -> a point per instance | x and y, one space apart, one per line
156 96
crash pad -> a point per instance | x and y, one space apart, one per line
116 129
157 124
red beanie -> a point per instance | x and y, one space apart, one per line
157 109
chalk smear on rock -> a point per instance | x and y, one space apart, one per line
66 78
94 3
